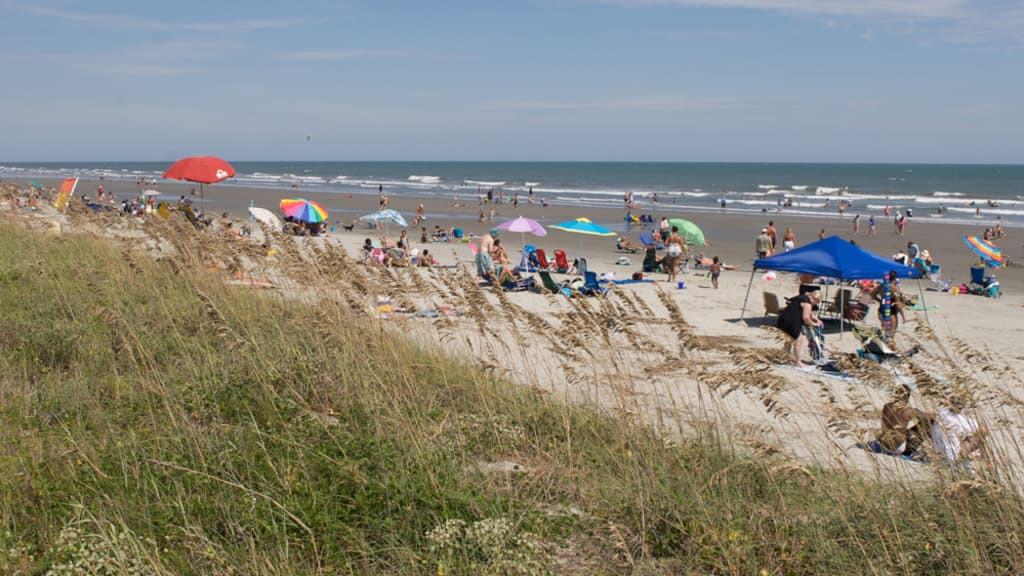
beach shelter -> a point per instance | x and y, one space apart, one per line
988 252
583 226
387 216
267 217
304 210
835 258
690 232
201 169
523 225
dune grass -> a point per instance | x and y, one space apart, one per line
155 421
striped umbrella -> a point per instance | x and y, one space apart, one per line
988 251
304 210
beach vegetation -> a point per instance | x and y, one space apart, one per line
157 420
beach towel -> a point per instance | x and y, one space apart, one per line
875 447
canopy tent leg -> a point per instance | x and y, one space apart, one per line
749 285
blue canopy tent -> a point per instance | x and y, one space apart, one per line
835 258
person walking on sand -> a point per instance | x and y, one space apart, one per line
871 227
773 234
716 269
675 251
856 225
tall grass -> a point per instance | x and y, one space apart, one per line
156 421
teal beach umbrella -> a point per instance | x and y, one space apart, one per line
582 226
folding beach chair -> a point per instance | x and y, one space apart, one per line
650 259
648 241
581 266
542 259
592 287
561 262
551 285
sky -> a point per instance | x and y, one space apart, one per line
538 80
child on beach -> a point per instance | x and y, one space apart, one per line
716 269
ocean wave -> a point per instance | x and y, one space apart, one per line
766 186
424 179
484 183
986 211
941 193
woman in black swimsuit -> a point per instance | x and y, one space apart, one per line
798 312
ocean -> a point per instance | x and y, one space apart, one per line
956 193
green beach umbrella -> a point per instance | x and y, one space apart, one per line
690 232
35 183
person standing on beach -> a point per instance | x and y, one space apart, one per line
484 262
763 244
772 233
675 250
821 234
871 227
663 227
789 240
856 225
716 269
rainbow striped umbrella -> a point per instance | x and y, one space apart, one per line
304 210
988 251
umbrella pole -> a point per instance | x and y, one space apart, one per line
924 305
750 284
202 199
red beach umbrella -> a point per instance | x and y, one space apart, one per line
201 169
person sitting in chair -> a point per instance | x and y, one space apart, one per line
624 245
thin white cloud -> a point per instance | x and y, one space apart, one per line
355 54
143 70
616 105
913 9
124 21
960 21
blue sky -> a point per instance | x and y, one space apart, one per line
686 80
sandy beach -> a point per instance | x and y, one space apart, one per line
730 234
669 356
